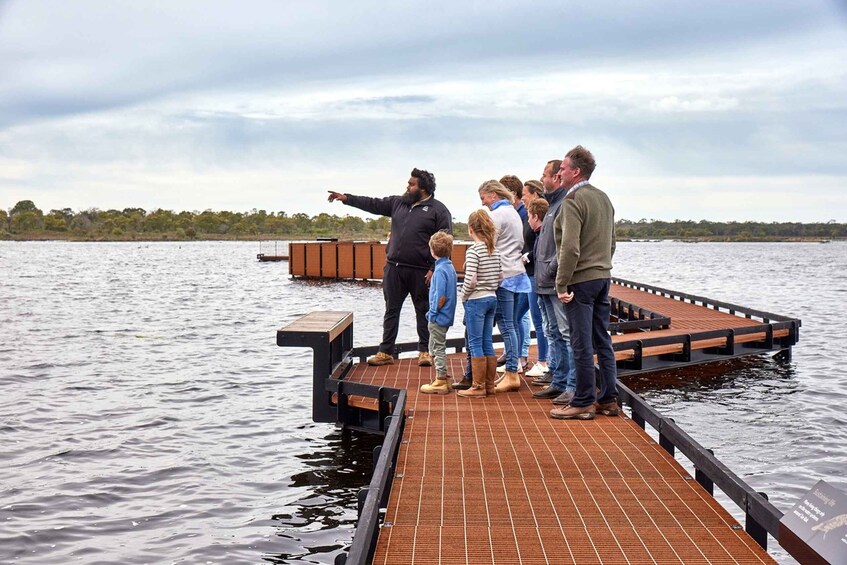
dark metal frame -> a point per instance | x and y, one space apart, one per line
374 499
328 359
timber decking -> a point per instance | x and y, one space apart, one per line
686 319
497 480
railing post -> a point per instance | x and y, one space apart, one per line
666 444
362 495
704 480
756 530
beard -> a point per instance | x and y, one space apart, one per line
411 198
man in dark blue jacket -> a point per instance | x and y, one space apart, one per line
415 216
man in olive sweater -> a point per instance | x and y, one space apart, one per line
587 224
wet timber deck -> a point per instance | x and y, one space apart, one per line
496 480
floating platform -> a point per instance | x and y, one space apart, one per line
496 480
265 258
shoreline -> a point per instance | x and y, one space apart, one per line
166 237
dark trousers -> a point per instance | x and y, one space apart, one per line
397 284
588 317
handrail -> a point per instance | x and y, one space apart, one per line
367 527
715 304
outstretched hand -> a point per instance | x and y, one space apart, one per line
333 196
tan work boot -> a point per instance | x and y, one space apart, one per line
478 371
441 385
511 382
381 358
424 359
490 374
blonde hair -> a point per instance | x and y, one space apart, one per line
441 244
483 227
497 188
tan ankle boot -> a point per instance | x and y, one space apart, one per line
478 370
511 382
438 386
490 374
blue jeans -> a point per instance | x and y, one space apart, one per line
522 322
505 318
535 313
561 357
479 320
588 315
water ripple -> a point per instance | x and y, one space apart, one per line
148 417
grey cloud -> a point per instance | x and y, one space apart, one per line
129 53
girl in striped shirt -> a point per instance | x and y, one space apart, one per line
483 272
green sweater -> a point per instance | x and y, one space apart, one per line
587 225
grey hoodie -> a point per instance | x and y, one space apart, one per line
546 250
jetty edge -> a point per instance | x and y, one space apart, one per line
622 495
358 397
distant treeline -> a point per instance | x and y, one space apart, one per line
26 221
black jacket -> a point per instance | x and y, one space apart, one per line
411 226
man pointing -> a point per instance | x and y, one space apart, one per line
415 216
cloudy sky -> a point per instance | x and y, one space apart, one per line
713 110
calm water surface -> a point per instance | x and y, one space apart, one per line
147 416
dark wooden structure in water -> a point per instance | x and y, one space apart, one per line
497 481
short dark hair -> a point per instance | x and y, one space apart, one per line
514 184
582 159
426 180
556 165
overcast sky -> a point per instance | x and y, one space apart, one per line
713 110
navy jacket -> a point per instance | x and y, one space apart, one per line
411 226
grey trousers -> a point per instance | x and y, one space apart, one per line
438 348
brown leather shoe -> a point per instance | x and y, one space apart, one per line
424 359
573 412
381 358
607 408
564 399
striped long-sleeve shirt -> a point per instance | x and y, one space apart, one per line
483 272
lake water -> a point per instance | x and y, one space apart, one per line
147 415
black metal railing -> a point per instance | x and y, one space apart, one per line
632 317
375 498
734 309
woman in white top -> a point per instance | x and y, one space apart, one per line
498 199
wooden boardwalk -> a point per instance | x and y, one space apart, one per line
497 480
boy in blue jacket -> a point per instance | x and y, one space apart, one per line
442 309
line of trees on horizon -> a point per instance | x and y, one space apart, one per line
25 220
